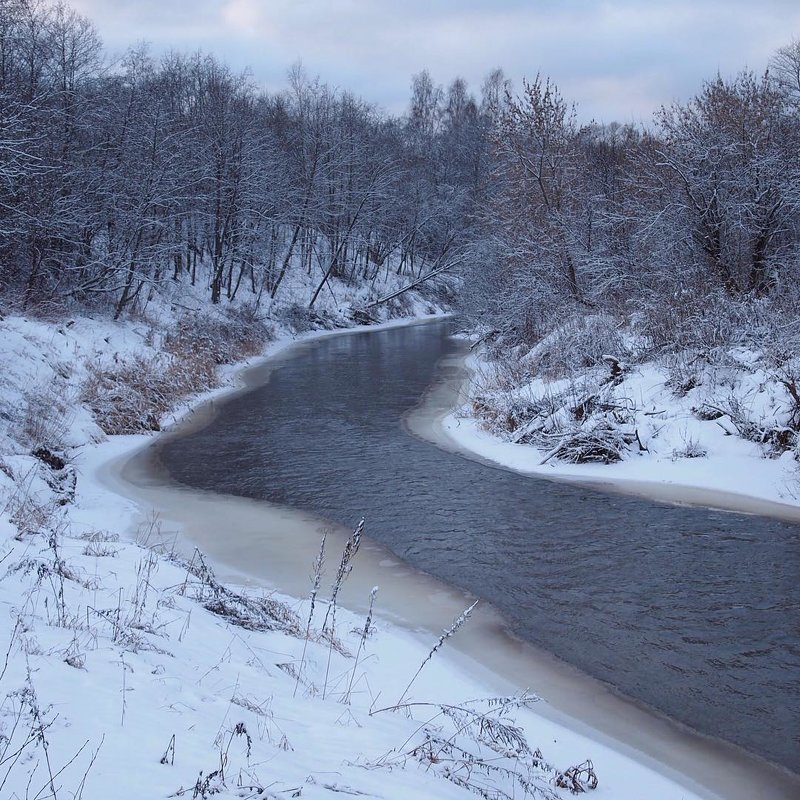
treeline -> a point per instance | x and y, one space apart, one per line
688 228
115 178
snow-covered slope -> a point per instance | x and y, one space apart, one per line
711 434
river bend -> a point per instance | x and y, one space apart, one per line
691 611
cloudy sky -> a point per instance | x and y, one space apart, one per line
617 59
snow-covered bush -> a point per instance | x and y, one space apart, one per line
296 317
132 396
691 449
218 339
44 415
685 371
579 343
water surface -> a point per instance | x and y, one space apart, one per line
691 611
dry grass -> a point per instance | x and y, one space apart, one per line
44 415
134 395
478 746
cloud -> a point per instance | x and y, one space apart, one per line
243 16
618 59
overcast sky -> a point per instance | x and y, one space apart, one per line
617 60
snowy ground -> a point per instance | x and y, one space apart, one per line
678 456
153 663
129 671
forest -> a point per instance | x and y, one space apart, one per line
119 176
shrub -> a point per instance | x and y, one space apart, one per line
691 449
131 397
581 342
218 340
44 416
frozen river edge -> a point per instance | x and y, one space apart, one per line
577 703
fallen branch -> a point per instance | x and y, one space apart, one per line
428 276
493 332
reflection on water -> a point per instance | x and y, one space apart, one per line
694 612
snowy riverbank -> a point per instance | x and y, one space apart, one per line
131 670
683 459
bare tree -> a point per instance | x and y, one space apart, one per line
536 169
785 71
729 164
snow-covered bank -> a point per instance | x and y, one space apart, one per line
150 644
275 545
381 743
171 695
679 458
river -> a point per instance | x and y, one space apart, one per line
693 612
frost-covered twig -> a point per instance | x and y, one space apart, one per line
345 568
319 561
364 635
446 634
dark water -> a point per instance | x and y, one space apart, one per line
694 612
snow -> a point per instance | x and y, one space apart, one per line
723 470
117 680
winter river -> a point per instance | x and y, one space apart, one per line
693 612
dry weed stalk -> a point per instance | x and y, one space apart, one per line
319 562
364 635
345 568
18 750
446 634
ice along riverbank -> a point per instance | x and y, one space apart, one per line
593 703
